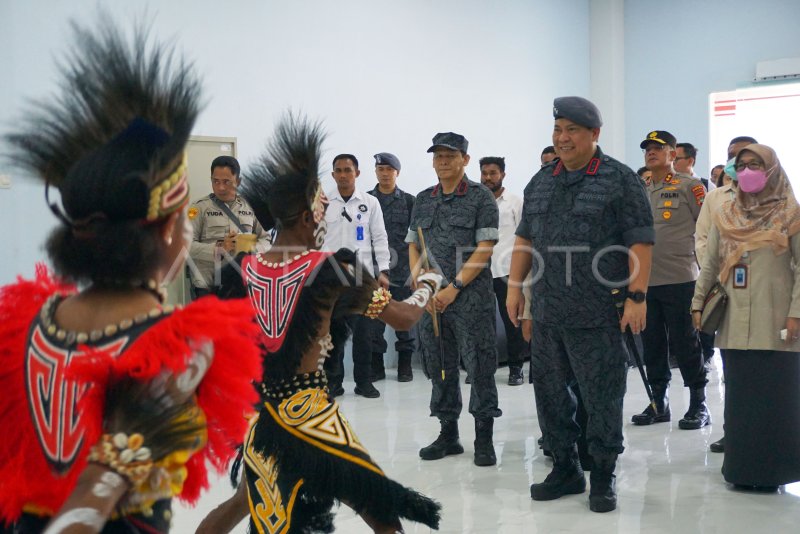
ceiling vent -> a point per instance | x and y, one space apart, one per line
778 69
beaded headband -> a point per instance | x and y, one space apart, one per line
171 194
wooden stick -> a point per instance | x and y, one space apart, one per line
426 264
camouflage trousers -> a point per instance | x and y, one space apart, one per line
595 359
467 338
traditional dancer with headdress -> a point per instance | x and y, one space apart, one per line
300 454
115 402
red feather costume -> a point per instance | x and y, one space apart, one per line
54 410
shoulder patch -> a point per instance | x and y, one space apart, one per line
699 194
193 211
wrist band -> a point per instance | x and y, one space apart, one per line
421 296
125 455
380 298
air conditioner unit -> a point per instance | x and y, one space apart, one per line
778 69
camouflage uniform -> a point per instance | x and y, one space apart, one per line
452 225
576 336
397 208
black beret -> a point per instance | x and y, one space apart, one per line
385 158
578 110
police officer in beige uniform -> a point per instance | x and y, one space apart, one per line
676 200
217 219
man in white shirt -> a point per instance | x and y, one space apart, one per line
493 171
355 222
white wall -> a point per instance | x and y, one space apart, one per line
678 52
385 75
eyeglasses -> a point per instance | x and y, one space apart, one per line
226 183
753 166
653 148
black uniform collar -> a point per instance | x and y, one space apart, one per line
461 188
397 193
591 168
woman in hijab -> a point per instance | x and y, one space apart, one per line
754 251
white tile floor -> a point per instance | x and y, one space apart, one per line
667 480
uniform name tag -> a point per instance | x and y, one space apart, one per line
740 276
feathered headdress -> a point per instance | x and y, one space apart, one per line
113 140
283 182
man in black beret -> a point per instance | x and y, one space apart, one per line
397 206
587 222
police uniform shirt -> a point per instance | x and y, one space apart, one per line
676 203
571 219
510 207
396 207
357 225
452 226
210 225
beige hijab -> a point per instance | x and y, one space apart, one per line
750 221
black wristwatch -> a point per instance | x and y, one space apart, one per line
458 284
637 296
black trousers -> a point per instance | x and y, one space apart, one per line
707 345
518 350
405 339
341 329
670 331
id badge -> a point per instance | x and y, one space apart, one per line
740 276
359 233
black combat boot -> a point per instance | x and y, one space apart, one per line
446 444
603 484
484 448
662 415
566 478
515 375
697 416
378 371
404 373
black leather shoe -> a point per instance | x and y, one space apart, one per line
649 416
718 446
368 391
336 390
697 416
695 419
404 372
515 376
